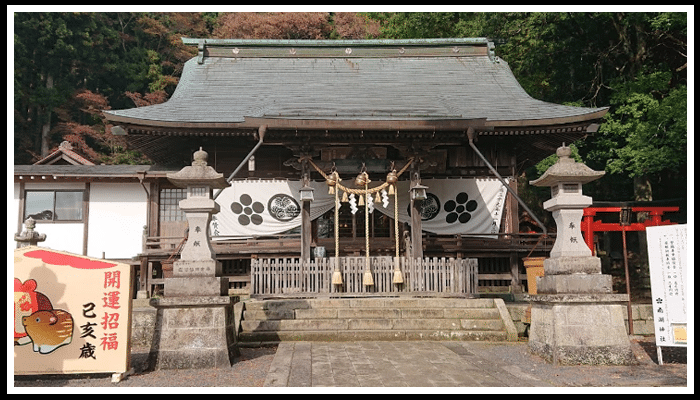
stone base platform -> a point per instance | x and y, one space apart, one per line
194 332
575 329
193 286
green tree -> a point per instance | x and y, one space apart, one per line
633 62
63 60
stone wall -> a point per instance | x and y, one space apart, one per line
642 318
144 319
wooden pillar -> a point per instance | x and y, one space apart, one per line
144 276
305 216
416 223
86 217
515 285
20 220
513 227
153 210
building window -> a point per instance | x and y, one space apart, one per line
169 208
58 205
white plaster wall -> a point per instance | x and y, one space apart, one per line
118 213
13 213
64 236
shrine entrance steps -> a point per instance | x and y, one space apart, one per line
376 319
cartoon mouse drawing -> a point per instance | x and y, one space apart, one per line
49 330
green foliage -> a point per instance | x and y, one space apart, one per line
416 25
647 131
633 62
544 165
58 55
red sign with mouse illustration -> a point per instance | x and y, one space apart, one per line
71 313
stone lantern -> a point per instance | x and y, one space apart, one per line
195 273
570 254
575 319
196 328
29 237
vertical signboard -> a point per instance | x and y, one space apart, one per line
72 314
667 248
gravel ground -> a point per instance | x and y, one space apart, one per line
250 370
647 373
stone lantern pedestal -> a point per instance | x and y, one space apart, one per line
195 324
575 319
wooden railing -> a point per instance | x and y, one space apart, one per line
434 245
291 276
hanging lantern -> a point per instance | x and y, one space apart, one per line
418 192
306 193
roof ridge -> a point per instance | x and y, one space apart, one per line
335 43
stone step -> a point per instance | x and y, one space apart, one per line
371 313
258 338
376 319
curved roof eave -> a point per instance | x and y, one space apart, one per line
440 92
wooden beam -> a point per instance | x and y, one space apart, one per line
86 219
305 216
416 223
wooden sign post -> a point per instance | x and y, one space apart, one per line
667 249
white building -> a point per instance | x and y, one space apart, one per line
94 210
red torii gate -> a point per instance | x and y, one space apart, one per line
589 225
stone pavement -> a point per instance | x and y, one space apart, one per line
450 364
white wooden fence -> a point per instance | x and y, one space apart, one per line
286 276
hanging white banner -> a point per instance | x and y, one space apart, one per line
454 206
258 208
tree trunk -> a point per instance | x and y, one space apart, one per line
642 192
46 128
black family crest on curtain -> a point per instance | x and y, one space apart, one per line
460 209
283 207
248 211
260 207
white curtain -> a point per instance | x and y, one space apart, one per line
265 207
454 206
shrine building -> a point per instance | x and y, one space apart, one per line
419 143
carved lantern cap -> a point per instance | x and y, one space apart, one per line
566 170
198 174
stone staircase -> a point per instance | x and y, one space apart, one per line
398 318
